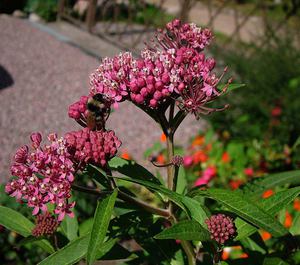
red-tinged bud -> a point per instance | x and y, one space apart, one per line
21 154
36 139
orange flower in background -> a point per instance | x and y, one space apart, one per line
288 220
267 194
265 235
163 137
297 204
244 256
200 157
235 184
198 141
225 158
160 159
208 147
225 254
126 155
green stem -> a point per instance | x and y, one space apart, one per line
179 117
90 190
170 154
149 208
172 179
125 197
188 249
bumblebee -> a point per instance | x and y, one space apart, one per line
98 107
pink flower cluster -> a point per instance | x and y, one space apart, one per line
208 174
174 67
96 147
188 35
43 175
111 77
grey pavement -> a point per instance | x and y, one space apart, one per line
48 75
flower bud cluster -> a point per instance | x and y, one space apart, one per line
45 224
96 147
78 110
43 175
221 228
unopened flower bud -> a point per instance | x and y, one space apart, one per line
177 160
221 228
46 224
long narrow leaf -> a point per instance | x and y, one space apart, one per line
189 205
271 205
70 254
101 221
15 221
237 203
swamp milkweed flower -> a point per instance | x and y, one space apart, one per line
172 67
43 176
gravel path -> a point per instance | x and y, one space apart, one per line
48 75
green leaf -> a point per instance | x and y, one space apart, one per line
86 227
70 227
250 244
274 261
106 247
258 186
117 252
15 221
132 169
236 202
195 210
185 230
181 181
98 174
101 221
190 206
42 243
296 144
69 254
271 205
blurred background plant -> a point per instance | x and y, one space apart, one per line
46 9
267 107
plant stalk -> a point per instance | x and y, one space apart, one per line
172 179
188 249
125 197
